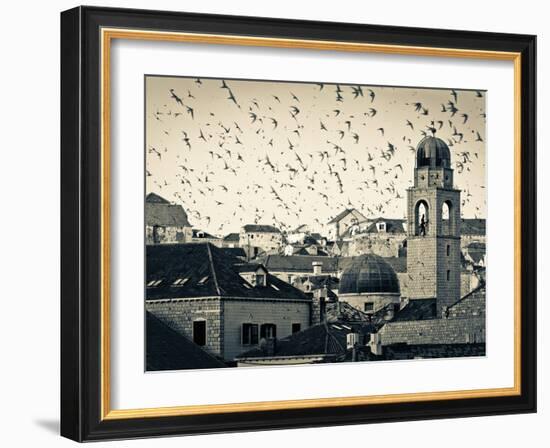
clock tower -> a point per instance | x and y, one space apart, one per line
433 241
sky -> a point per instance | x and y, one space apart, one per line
235 152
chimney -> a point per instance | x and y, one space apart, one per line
352 340
318 306
317 267
375 344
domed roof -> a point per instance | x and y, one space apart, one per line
434 152
369 273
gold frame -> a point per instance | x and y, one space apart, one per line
107 35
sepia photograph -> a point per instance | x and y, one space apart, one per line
291 223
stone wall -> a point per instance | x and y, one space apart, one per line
167 234
471 305
426 351
379 301
263 311
382 243
436 331
179 315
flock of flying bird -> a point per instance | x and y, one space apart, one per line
240 152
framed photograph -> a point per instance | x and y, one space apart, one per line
276 224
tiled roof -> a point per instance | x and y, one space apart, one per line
343 311
415 351
343 214
476 251
155 198
299 263
260 228
323 339
197 233
399 264
203 270
318 281
473 226
168 350
233 237
392 226
234 251
417 309
159 212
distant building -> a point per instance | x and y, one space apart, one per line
258 238
381 236
200 236
473 230
475 253
237 252
218 302
165 223
312 283
339 225
288 268
298 234
231 240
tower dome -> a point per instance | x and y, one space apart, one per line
433 152
369 274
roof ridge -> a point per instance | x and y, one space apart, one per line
464 297
212 267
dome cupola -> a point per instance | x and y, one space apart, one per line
433 152
369 273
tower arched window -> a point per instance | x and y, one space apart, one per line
447 224
422 218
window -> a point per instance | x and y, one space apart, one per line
274 287
203 280
421 218
448 250
368 306
448 274
260 280
268 331
296 328
199 332
250 334
447 224
153 283
180 282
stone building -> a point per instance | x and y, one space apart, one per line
381 236
342 222
414 334
200 236
369 284
258 238
231 240
165 223
218 302
167 349
290 267
433 242
342 330
473 230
